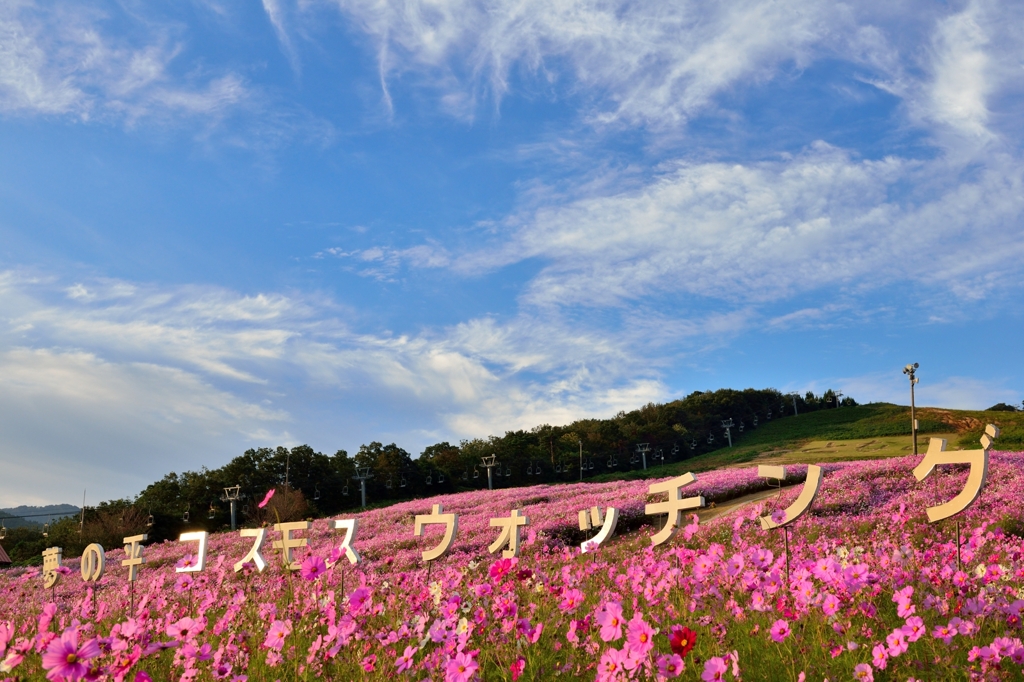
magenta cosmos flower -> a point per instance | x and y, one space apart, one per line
404 662
313 567
461 668
64 659
780 630
279 629
610 620
270 493
714 670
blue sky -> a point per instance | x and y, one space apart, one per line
228 225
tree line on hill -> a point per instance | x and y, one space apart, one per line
310 483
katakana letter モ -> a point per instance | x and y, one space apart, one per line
592 520
200 562
674 506
347 550
509 533
94 563
254 555
133 549
451 523
803 501
51 562
287 543
978 459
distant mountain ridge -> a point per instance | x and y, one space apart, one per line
25 515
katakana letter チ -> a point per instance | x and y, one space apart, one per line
978 459
287 543
133 549
803 501
451 523
674 507
347 550
94 563
509 533
51 562
592 520
200 561
254 555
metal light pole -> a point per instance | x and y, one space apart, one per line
838 396
581 460
910 370
793 396
643 449
727 424
232 495
361 476
488 463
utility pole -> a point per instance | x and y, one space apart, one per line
361 476
727 424
489 463
910 370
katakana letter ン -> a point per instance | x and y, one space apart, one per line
674 507
287 543
509 533
133 548
51 562
593 520
254 554
451 523
803 501
978 459
94 563
350 526
200 562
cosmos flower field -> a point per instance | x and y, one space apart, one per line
873 592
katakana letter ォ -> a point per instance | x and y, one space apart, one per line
94 563
51 562
347 550
451 523
133 548
200 563
592 520
287 543
254 555
803 501
978 459
674 506
509 533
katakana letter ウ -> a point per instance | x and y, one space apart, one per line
51 562
510 526
133 549
254 555
674 506
347 550
978 459
803 501
451 523
200 563
94 563
592 520
287 543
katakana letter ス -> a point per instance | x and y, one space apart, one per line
199 564
674 507
254 554
287 543
451 523
94 563
803 501
133 549
510 526
350 526
592 520
51 562
978 459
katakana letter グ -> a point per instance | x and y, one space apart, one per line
287 543
803 501
133 549
200 536
254 555
978 459
592 520
94 563
52 557
509 533
674 506
350 526
451 523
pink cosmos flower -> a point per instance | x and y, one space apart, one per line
313 567
461 668
779 516
270 494
571 600
517 668
185 629
944 632
897 641
279 629
830 604
612 663
670 666
370 663
862 673
359 598
65 660
609 619
879 657
780 630
714 670
914 628
404 662
639 636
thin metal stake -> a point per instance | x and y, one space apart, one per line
958 544
786 531
132 612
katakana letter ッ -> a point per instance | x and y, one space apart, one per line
200 562
592 519
94 563
451 523
350 526
978 459
254 555
51 562
510 526
133 549
803 501
674 506
287 543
